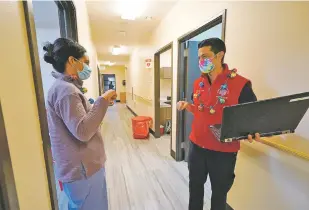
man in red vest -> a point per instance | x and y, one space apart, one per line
217 87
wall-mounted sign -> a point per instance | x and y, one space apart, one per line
148 63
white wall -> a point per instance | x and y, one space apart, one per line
46 14
141 79
47 29
267 41
166 59
165 88
84 38
165 84
43 35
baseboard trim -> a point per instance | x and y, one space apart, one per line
173 154
131 111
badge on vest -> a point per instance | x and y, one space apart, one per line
201 107
223 91
212 110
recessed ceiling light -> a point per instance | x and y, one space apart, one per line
131 10
116 50
108 63
128 17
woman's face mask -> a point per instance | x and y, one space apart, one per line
85 72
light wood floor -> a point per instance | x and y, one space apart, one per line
141 175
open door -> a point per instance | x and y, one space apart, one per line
188 72
192 72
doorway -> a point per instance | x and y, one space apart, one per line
46 21
163 83
109 82
165 93
188 72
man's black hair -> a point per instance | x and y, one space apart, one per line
216 44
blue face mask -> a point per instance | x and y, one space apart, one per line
85 73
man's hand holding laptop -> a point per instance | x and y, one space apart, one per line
182 105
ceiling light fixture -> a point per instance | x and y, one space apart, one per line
108 63
128 17
116 50
131 10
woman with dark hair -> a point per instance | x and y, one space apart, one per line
73 123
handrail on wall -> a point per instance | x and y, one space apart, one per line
141 97
285 148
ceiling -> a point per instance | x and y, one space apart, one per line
108 29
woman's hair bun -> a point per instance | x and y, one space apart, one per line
49 55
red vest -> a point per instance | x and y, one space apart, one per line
201 134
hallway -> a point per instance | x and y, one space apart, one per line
141 174
127 39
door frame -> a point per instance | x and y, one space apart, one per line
67 19
8 193
181 76
156 100
112 75
99 81
66 22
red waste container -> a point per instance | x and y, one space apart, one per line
140 126
161 130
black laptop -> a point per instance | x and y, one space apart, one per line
268 118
